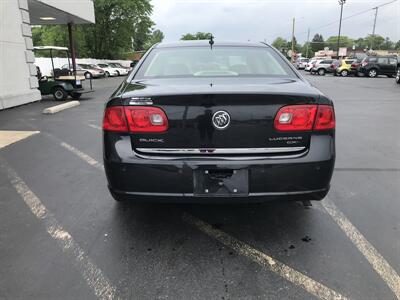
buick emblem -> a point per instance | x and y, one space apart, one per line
221 119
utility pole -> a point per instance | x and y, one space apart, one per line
294 20
72 47
373 30
308 41
341 3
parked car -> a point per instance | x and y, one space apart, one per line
374 66
345 67
321 67
309 65
355 65
301 63
334 65
108 70
202 124
87 70
119 68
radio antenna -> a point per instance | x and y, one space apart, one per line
211 41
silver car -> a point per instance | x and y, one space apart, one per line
301 63
322 66
87 70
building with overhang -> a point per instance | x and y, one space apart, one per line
18 81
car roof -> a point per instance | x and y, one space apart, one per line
205 43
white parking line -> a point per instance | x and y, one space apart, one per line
288 273
93 276
91 161
95 126
380 265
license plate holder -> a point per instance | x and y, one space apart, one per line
221 183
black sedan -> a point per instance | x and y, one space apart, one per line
211 122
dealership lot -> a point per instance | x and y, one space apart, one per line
62 235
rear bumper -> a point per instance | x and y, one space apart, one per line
304 176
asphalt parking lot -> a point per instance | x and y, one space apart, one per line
63 237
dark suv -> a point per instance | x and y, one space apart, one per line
373 66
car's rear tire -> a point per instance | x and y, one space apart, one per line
88 75
398 77
106 74
117 73
321 72
76 96
59 93
372 73
344 73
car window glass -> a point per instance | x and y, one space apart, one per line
393 61
383 60
373 59
221 61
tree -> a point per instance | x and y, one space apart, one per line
397 46
361 43
345 41
281 44
297 47
121 26
157 36
388 44
196 36
317 43
307 47
374 41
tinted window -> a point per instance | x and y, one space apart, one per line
383 60
224 61
392 61
372 59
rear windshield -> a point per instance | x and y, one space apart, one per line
218 62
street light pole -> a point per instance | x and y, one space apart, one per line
341 3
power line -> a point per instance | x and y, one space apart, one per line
348 17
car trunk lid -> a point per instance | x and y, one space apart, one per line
190 106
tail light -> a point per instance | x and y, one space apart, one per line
134 119
114 119
305 118
353 65
325 118
146 119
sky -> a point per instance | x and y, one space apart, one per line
264 20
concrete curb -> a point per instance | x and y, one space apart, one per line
57 108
